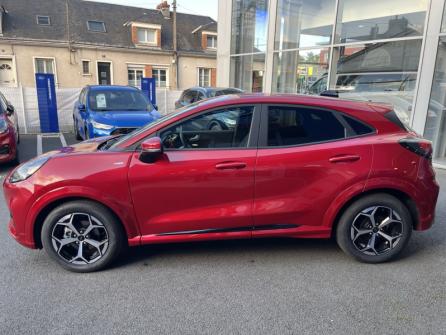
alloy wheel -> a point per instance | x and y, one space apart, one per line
376 230
80 238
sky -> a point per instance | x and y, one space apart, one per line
200 7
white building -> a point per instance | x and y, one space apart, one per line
391 51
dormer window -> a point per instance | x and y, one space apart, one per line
209 40
43 20
145 34
212 42
96 26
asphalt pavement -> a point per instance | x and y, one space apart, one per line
228 287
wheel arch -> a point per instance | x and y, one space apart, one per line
400 195
43 213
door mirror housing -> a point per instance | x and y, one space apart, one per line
10 109
81 107
151 148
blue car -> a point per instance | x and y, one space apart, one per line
111 110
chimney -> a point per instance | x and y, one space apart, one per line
164 8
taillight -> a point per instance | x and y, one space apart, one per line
419 146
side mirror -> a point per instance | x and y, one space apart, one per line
156 107
151 149
10 109
81 107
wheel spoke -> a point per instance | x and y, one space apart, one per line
361 232
371 243
385 222
96 244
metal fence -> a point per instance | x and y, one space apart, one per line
24 100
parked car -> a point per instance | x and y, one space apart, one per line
9 132
291 166
195 94
111 110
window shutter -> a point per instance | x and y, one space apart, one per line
214 77
204 41
158 38
148 71
134 35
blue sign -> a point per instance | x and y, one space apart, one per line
46 99
148 86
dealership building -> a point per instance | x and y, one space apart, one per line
391 51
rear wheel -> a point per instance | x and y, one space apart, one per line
82 236
375 228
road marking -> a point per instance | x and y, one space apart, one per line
62 139
39 145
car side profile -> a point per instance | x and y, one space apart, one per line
9 132
105 110
196 94
291 166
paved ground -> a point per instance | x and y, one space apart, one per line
236 287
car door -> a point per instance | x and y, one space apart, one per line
204 181
307 157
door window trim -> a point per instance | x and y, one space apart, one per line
263 132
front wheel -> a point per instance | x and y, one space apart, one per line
82 236
375 228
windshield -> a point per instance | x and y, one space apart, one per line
136 132
118 100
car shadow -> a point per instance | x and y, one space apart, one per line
270 246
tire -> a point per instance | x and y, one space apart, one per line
375 228
87 135
76 130
62 236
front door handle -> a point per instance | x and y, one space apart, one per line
230 166
344 159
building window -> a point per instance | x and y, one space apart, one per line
204 77
96 26
44 65
315 24
435 129
146 35
160 76
134 76
377 20
43 20
249 26
300 71
86 67
247 72
211 42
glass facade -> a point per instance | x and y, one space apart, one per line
366 50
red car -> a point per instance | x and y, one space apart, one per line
9 132
279 166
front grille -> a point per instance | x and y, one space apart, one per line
122 131
4 149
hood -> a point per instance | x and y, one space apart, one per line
126 118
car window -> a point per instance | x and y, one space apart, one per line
298 125
225 92
189 97
3 103
358 127
225 128
118 100
200 96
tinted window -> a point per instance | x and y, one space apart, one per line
200 96
225 92
118 100
227 128
358 128
189 97
297 125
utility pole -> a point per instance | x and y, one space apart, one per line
175 49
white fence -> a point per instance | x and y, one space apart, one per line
24 100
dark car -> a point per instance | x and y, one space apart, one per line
195 94
9 132
290 166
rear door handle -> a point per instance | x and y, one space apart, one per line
344 159
230 166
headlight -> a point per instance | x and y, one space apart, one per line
98 125
228 121
28 169
3 126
